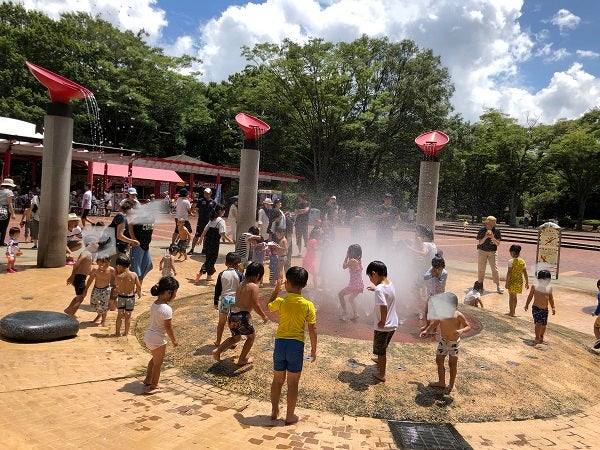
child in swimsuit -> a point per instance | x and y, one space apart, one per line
167 262
541 294
239 321
127 285
353 263
101 277
81 269
225 289
517 271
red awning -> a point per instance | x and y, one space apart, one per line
142 173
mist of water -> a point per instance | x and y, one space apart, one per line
405 271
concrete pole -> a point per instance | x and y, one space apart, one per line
428 191
247 198
56 180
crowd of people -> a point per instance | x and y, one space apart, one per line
114 279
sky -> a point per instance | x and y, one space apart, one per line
535 60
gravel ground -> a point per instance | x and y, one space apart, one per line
501 376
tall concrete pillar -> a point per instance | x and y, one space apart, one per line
429 176
431 143
56 179
247 198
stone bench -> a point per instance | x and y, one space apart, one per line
38 326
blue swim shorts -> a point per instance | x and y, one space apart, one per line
288 355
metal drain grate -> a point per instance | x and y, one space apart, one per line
427 436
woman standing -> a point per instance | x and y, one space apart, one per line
6 207
214 230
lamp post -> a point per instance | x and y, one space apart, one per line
431 143
56 165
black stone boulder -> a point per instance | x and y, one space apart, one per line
38 326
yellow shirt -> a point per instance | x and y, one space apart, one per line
294 312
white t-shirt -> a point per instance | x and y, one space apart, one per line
158 314
219 223
385 295
35 201
86 201
182 208
472 297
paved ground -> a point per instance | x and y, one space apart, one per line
87 391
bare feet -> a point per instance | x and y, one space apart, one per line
375 359
379 377
216 344
151 388
292 420
274 414
209 279
244 362
216 355
102 324
449 389
437 384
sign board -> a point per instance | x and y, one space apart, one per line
548 248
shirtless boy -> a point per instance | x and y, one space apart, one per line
127 285
101 278
246 300
184 240
81 269
541 293
451 330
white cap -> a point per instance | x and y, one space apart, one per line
132 191
333 197
208 191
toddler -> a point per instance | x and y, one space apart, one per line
473 296
101 276
12 249
541 294
517 271
167 262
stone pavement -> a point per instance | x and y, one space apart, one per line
86 392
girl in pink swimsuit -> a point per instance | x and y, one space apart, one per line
353 263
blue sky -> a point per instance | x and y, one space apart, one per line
533 59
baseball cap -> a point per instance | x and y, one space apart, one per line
333 197
268 201
132 191
208 191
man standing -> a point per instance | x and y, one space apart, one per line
141 227
265 217
132 195
302 215
386 217
205 205
86 204
488 239
183 208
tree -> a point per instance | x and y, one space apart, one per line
576 155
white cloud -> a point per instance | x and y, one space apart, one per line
133 15
565 20
587 54
480 41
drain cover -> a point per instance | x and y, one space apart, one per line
421 435
512 363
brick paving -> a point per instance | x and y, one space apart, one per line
87 391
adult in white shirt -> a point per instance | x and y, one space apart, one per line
232 217
183 209
86 204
